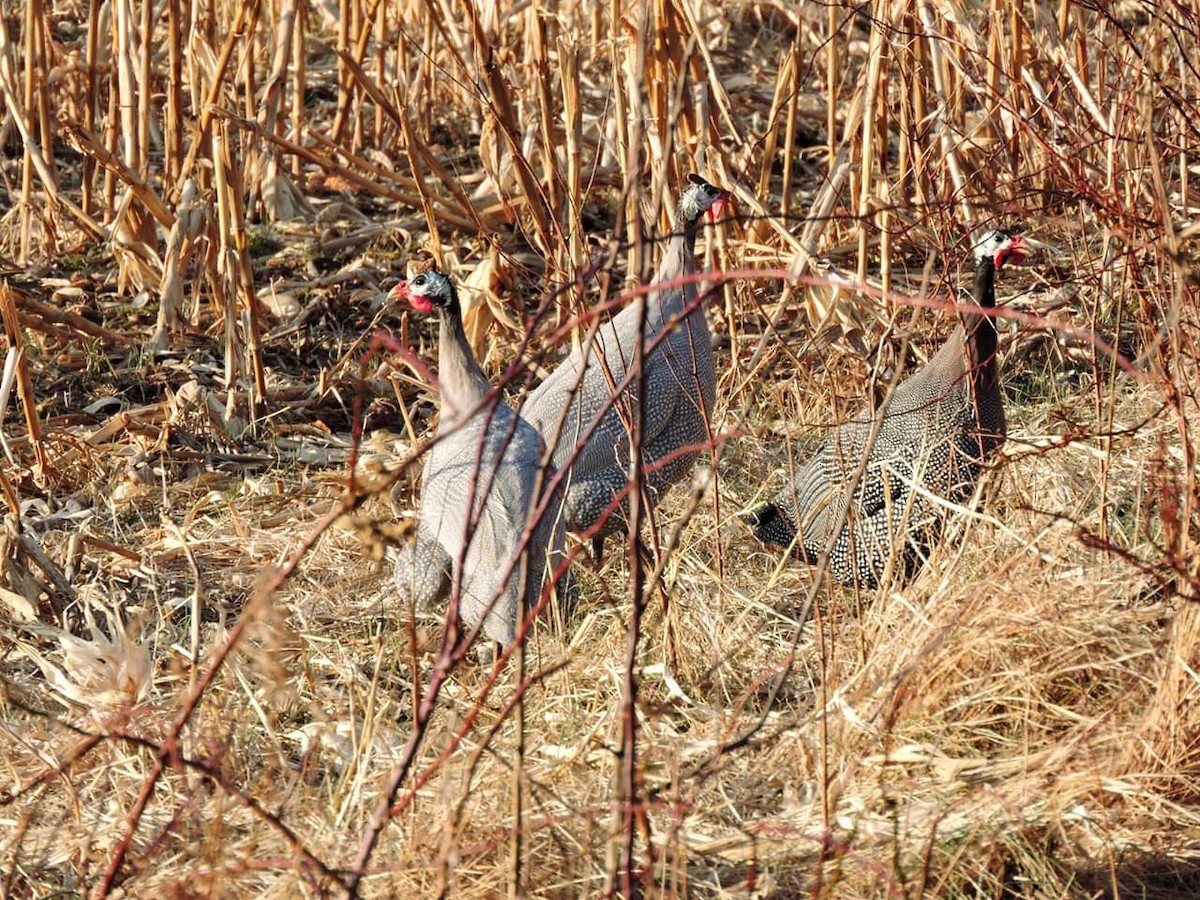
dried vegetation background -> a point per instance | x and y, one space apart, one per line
208 687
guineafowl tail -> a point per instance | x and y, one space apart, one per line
771 526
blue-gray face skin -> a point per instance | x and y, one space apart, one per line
427 290
1001 246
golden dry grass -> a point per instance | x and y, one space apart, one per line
200 224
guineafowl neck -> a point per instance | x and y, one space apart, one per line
678 260
690 231
981 330
463 382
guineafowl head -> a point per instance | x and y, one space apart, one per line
427 290
1001 246
700 197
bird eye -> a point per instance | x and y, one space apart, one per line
420 279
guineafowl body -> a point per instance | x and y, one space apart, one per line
931 438
479 489
678 384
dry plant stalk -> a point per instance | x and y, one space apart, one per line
25 391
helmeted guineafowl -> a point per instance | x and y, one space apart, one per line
934 433
485 460
678 383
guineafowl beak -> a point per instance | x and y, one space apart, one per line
398 292
717 210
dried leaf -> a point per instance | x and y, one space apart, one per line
483 305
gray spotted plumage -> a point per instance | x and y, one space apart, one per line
934 433
481 477
678 383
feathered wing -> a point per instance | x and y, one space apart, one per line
676 382
602 474
917 452
681 368
544 405
487 596
882 506
575 401
522 499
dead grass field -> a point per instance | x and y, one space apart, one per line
207 684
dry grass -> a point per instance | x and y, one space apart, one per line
200 225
